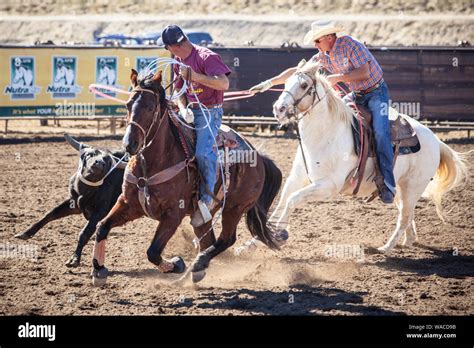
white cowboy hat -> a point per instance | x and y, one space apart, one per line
319 29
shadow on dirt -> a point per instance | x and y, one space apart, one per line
445 263
298 300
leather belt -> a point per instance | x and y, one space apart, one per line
211 106
371 89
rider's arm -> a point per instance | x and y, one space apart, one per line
281 78
276 80
358 74
217 82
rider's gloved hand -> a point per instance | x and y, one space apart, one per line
261 87
187 114
185 72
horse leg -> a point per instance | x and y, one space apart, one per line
119 215
205 235
294 183
228 236
405 217
411 235
318 190
169 222
66 208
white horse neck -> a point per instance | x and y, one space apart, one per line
320 127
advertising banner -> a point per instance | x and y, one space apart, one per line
53 81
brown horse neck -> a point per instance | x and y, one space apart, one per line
164 151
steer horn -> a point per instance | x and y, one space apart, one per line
74 143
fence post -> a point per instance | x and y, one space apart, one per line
113 126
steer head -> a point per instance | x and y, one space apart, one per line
94 163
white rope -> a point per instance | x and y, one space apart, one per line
164 64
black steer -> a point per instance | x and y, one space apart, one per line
94 189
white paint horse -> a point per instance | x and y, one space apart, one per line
23 77
324 122
64 76
106 76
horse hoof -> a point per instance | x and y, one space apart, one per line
98 282
179 265
247 247
22 236
383 250
281 237
74 261
99 277
198 276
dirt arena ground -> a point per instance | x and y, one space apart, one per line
434 277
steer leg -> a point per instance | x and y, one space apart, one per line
85 235
66 208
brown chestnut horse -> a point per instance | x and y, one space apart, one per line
161 181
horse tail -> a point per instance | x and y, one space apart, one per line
452 172
257 216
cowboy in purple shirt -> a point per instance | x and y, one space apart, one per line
208 80
350 62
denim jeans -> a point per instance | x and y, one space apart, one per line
377 102
206 153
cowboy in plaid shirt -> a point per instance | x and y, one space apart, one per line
350 62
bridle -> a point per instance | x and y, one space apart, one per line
310 90
156 113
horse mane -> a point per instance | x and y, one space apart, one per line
336 105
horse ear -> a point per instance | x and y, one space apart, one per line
157 76
134 77
301 63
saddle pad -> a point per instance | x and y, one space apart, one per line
229 142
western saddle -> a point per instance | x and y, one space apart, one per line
404 140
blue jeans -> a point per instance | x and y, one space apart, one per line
377 102
206 153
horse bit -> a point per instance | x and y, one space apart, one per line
310 90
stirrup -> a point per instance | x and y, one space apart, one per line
205 213
201 215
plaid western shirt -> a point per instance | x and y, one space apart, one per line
348 54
